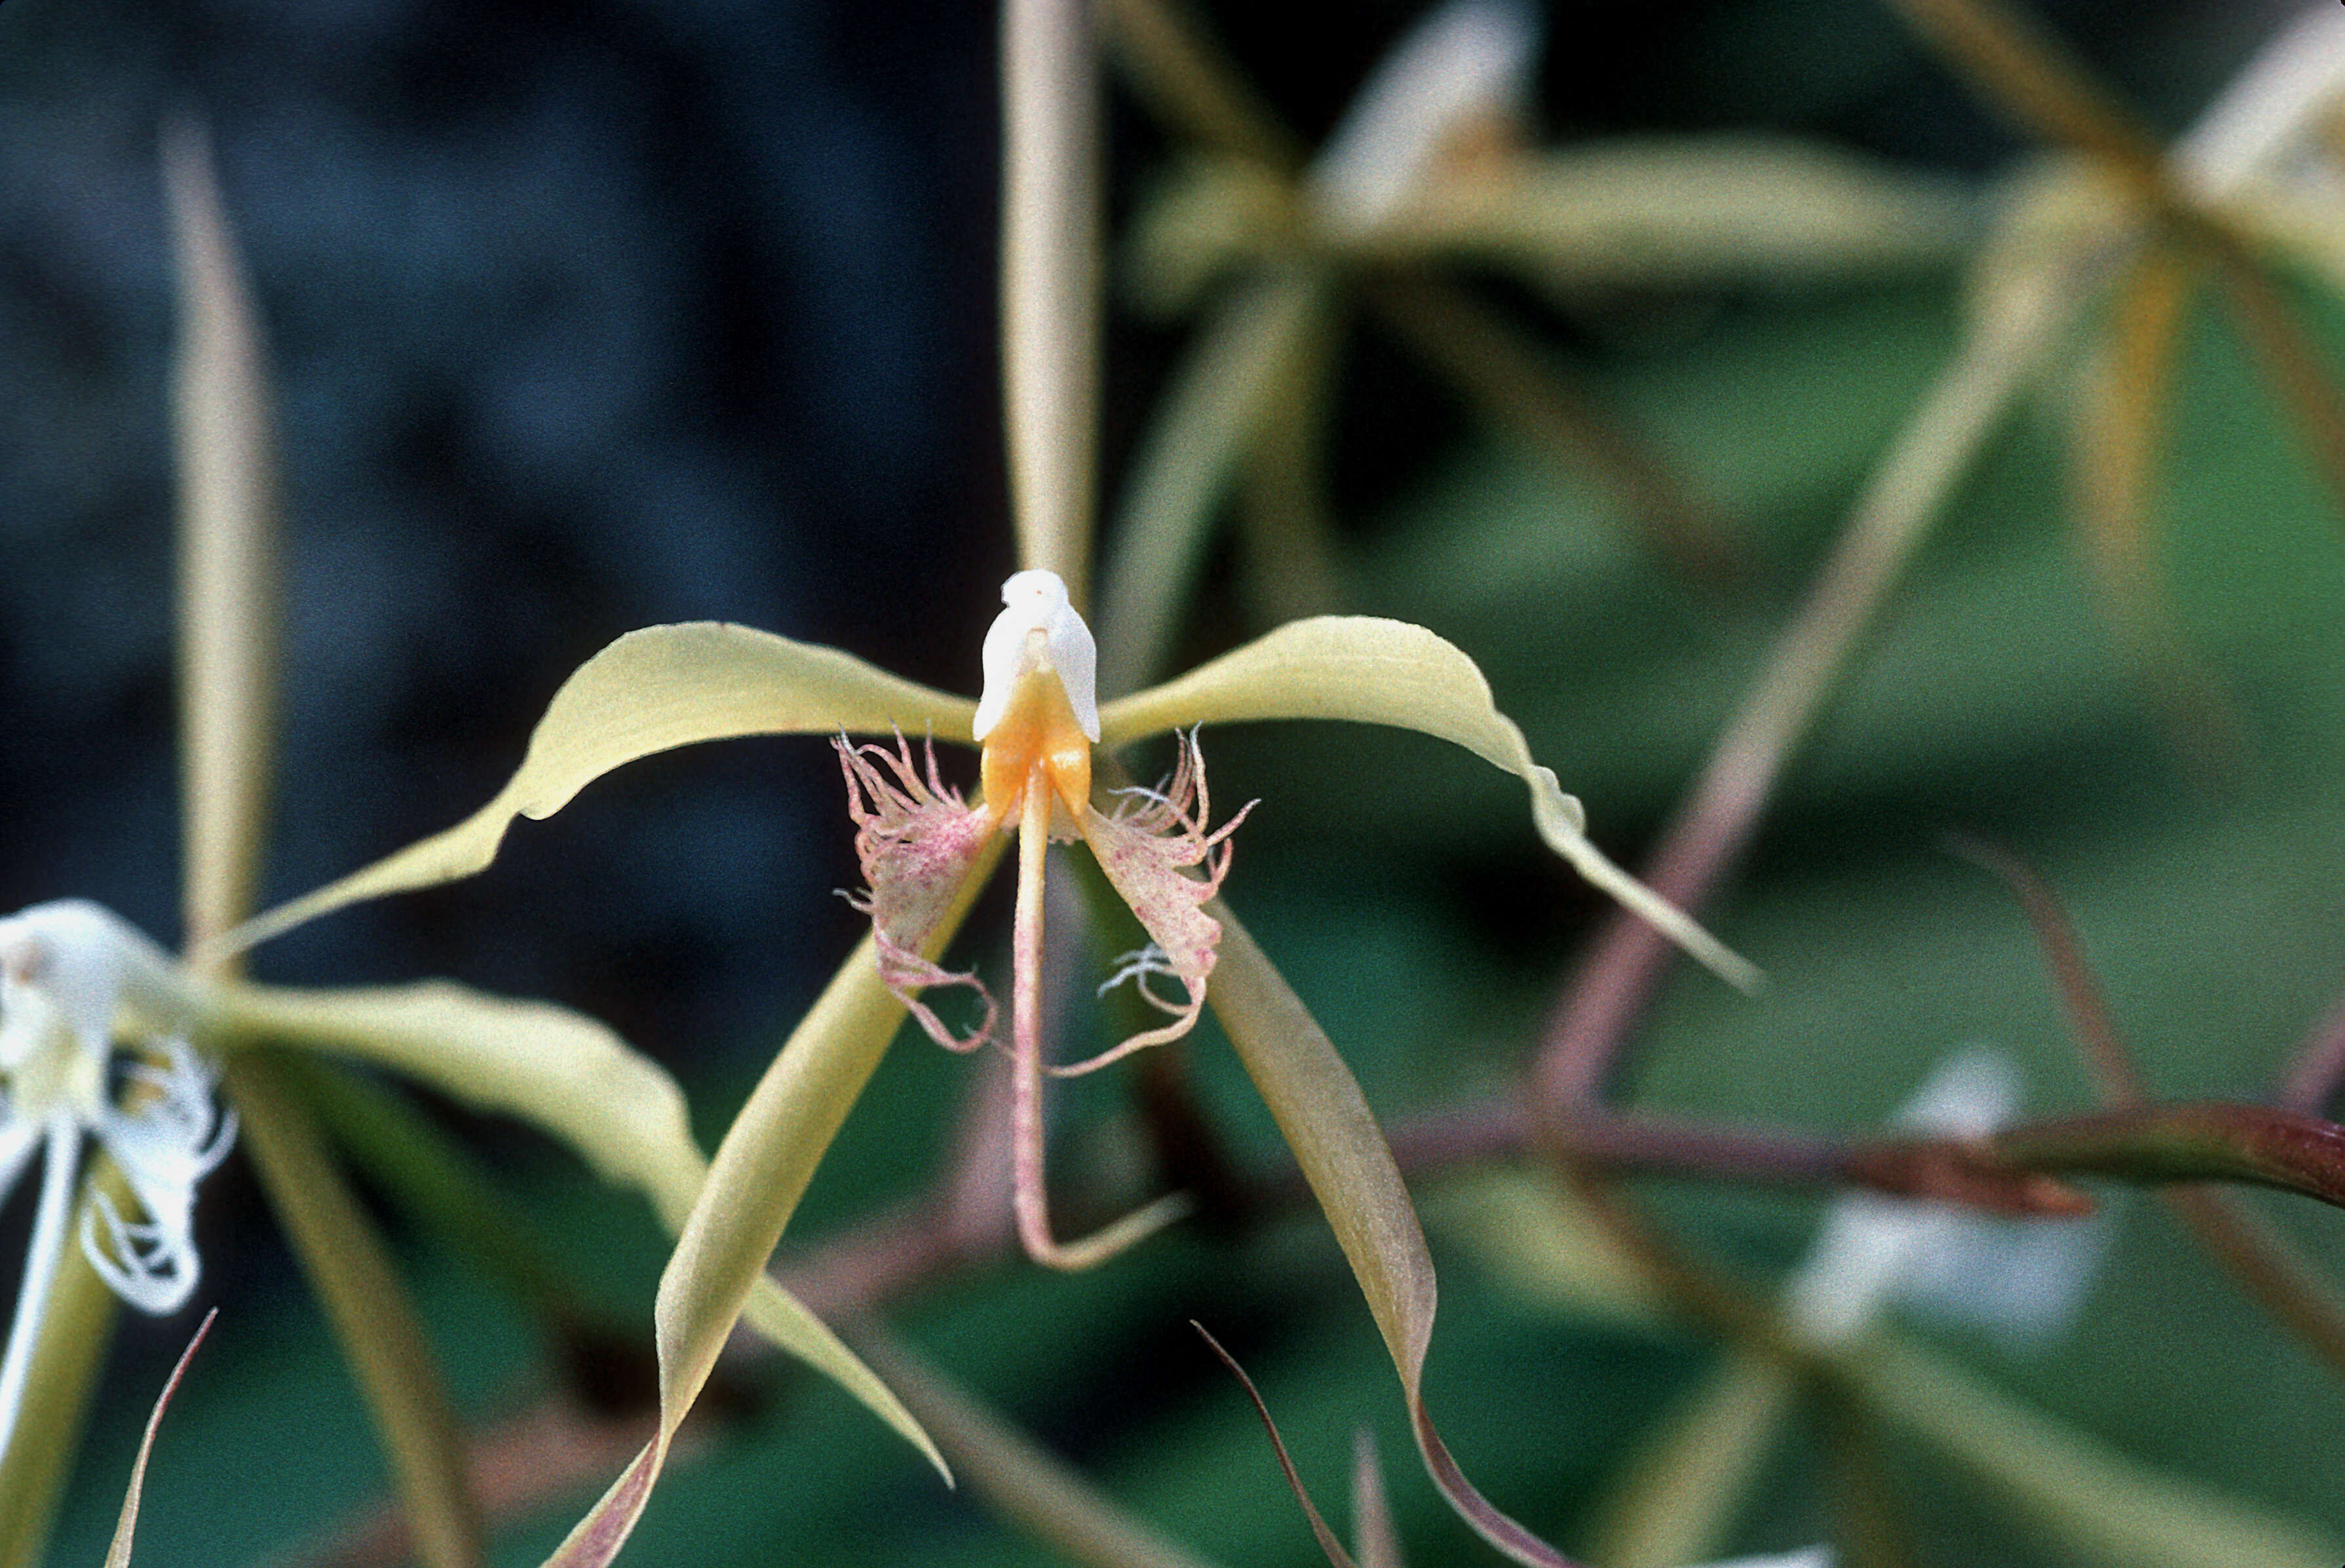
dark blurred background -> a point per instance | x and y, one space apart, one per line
586 317
595 315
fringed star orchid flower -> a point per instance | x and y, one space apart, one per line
924 852
925 855
93 1043
1037 722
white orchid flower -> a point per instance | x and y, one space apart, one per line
2022 1279
1466 67
93 1043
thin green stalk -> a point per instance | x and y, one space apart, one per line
353 1274
1050 280
2013 330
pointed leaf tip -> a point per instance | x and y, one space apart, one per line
652 690
1369 670
118 1555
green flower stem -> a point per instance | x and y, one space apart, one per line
76 1331
352 1274
1031 1489
2015 328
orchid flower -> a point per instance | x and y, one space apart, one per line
2022 1279
924 852
927 853
80 989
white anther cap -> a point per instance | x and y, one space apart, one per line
1036 602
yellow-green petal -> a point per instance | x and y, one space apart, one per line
1334 1137
351 1271
574 1078
760 1172
228 549
652 690
1367 670
559 1070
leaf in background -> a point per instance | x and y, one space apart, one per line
1686 212
350 1270
1216 404
652 690
1007 1471
118 1555
574 1078
1335 1138
1372 671
228 598
1684 1490
2076 1488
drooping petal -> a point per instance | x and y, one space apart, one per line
919 844
652 690
1326 1120
1147 849
1374 671
760 1172
573 1077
